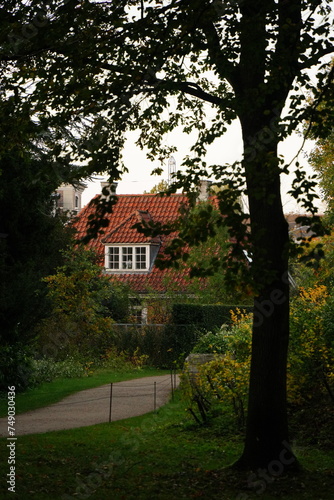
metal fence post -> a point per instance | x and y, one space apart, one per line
155 396
110 407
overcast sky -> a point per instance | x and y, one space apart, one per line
225 150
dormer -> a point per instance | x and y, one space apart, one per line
126 250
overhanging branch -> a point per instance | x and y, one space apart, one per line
315 58
190 88
195 90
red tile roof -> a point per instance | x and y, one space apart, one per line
125 233
129 210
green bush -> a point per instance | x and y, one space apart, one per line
122 361
162 344
328 323
222 383
187 314
15 367
83 305
235 339
60 337
209 317
46 369
19 368
211 343
311 352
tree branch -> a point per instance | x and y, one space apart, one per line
226 70
314 59
195 90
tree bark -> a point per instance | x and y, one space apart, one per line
267 425
260 98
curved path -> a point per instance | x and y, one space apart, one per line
92 406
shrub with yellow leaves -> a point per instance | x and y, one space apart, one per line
311 358
224 380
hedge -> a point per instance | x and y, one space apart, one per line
166 344
205 316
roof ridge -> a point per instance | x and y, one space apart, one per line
124 221
151 195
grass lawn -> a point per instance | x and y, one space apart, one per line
162 456
52 392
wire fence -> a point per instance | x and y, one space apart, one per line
123 397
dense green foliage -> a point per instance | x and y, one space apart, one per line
221 383
312 344
15 366
46 370
322 155
205 316
31 238
80 306
322 160
163 346
84 306
29 246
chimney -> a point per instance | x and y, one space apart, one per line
108 186
204 190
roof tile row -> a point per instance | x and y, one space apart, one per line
129 210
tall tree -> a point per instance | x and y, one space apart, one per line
321 158
102 68
30 240
31 236
161 187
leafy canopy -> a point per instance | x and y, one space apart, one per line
88 71
322 156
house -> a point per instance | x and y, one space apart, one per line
130 256
68 198
298 231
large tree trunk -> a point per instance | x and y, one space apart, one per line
267 437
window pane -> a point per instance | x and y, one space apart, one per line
113 258
141 258
127 258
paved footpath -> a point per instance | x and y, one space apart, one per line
92 406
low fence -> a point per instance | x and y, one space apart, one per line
151 395
109 402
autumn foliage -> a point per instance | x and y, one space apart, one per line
224 380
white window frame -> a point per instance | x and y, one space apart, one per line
127 257
125 263
116 264
138 261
